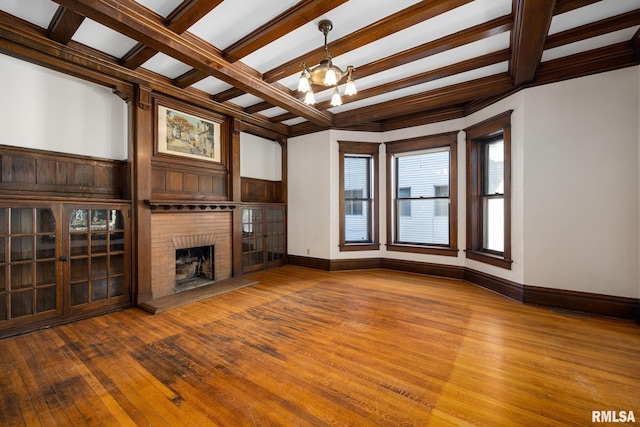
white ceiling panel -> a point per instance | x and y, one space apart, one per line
211 85
38 12
161 7
166 66
589 44
102 38
592 13
231 21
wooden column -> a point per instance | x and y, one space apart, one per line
140 152
235 194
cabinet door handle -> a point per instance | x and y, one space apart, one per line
64 258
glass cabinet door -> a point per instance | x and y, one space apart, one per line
275 235
263 237
252 239
97 267
28 279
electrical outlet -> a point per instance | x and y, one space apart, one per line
308 251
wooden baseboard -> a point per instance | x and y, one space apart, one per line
451 271
588 303
597 304
502 286
304 261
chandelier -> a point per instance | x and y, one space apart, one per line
325 74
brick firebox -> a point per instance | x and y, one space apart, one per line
171 231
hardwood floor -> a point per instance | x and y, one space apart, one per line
305 347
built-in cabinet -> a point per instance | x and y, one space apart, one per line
59 261
263 236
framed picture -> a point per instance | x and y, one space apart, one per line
187 135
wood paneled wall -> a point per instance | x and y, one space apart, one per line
171 182
34 172
261 191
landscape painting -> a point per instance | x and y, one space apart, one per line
186 135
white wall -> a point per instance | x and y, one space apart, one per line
308 192
575 186
47 110
581 184
260 158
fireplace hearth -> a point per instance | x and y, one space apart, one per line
194 267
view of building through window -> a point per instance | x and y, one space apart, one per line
422 197
357 198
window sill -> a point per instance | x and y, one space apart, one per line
347 247
429 250
486 258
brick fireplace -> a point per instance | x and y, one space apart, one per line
173 231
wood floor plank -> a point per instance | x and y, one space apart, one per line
307 347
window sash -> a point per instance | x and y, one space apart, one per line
422 221
358 202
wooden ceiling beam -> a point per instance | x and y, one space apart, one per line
452 41
124 19
433 99
302 13
531 22
422 118
261 106
179 20
406 18
64 25
594 29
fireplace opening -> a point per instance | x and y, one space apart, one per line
194 267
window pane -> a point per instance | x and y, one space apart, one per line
45 222
422 173
356 177
98 220
357 225
494 167
493 238
424 226
357 194
21 221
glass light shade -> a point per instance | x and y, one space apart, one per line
330 77
350 88
309 99
303 84
336 101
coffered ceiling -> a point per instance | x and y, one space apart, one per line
415 61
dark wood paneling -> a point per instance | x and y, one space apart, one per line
589 303
602 305
172 183
261 190
38 172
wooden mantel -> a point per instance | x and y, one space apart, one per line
186 205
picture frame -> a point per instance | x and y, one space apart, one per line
183 134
